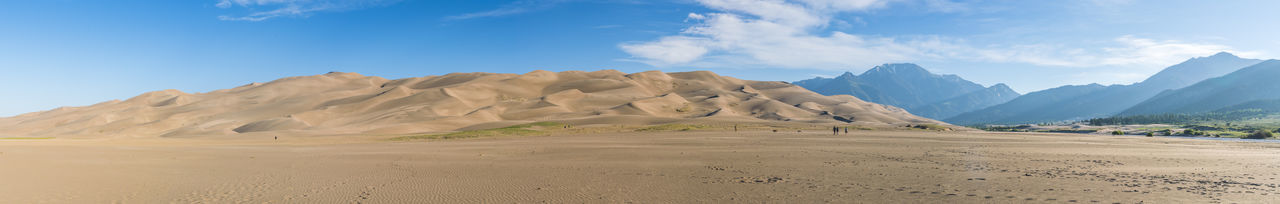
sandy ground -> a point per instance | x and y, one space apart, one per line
683 167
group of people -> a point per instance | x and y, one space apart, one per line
835 130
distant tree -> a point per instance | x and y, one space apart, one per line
1117 132
1149 134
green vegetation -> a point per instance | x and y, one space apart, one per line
671 127
857 128
25 138
933 127
1003 128
1181 118
1117 132
684 108
1069 130
1233 123
535 124
529 129
1193 132
1260 134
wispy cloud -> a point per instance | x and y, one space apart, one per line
946 6
260 10
822 75
770 34
607 26
792 34
518 7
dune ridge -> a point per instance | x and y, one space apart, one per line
350 103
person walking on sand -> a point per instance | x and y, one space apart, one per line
835 130
277 137
846 130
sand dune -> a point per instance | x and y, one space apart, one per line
349 103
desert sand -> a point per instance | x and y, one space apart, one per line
812 166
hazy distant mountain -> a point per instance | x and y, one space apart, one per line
913 88
1252 87
1031 103
1090 101
996 94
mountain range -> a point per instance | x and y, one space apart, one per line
913 88
349 103
1251 87
1077 102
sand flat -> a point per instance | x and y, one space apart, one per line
651 167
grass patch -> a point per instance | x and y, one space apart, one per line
671 127
528 129
858 128
532 125
933 127
25 138
1069 130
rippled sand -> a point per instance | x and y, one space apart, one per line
691 167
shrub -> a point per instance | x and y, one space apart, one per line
1117 132
1190 131
1260 134
1149 134
933 127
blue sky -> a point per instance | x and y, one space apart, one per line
74 53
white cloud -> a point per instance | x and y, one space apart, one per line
772 33
775 33
832 6
669 50
291 8
1124 51
822 75
792 34
1140 51
223 4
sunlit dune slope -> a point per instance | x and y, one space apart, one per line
349 103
